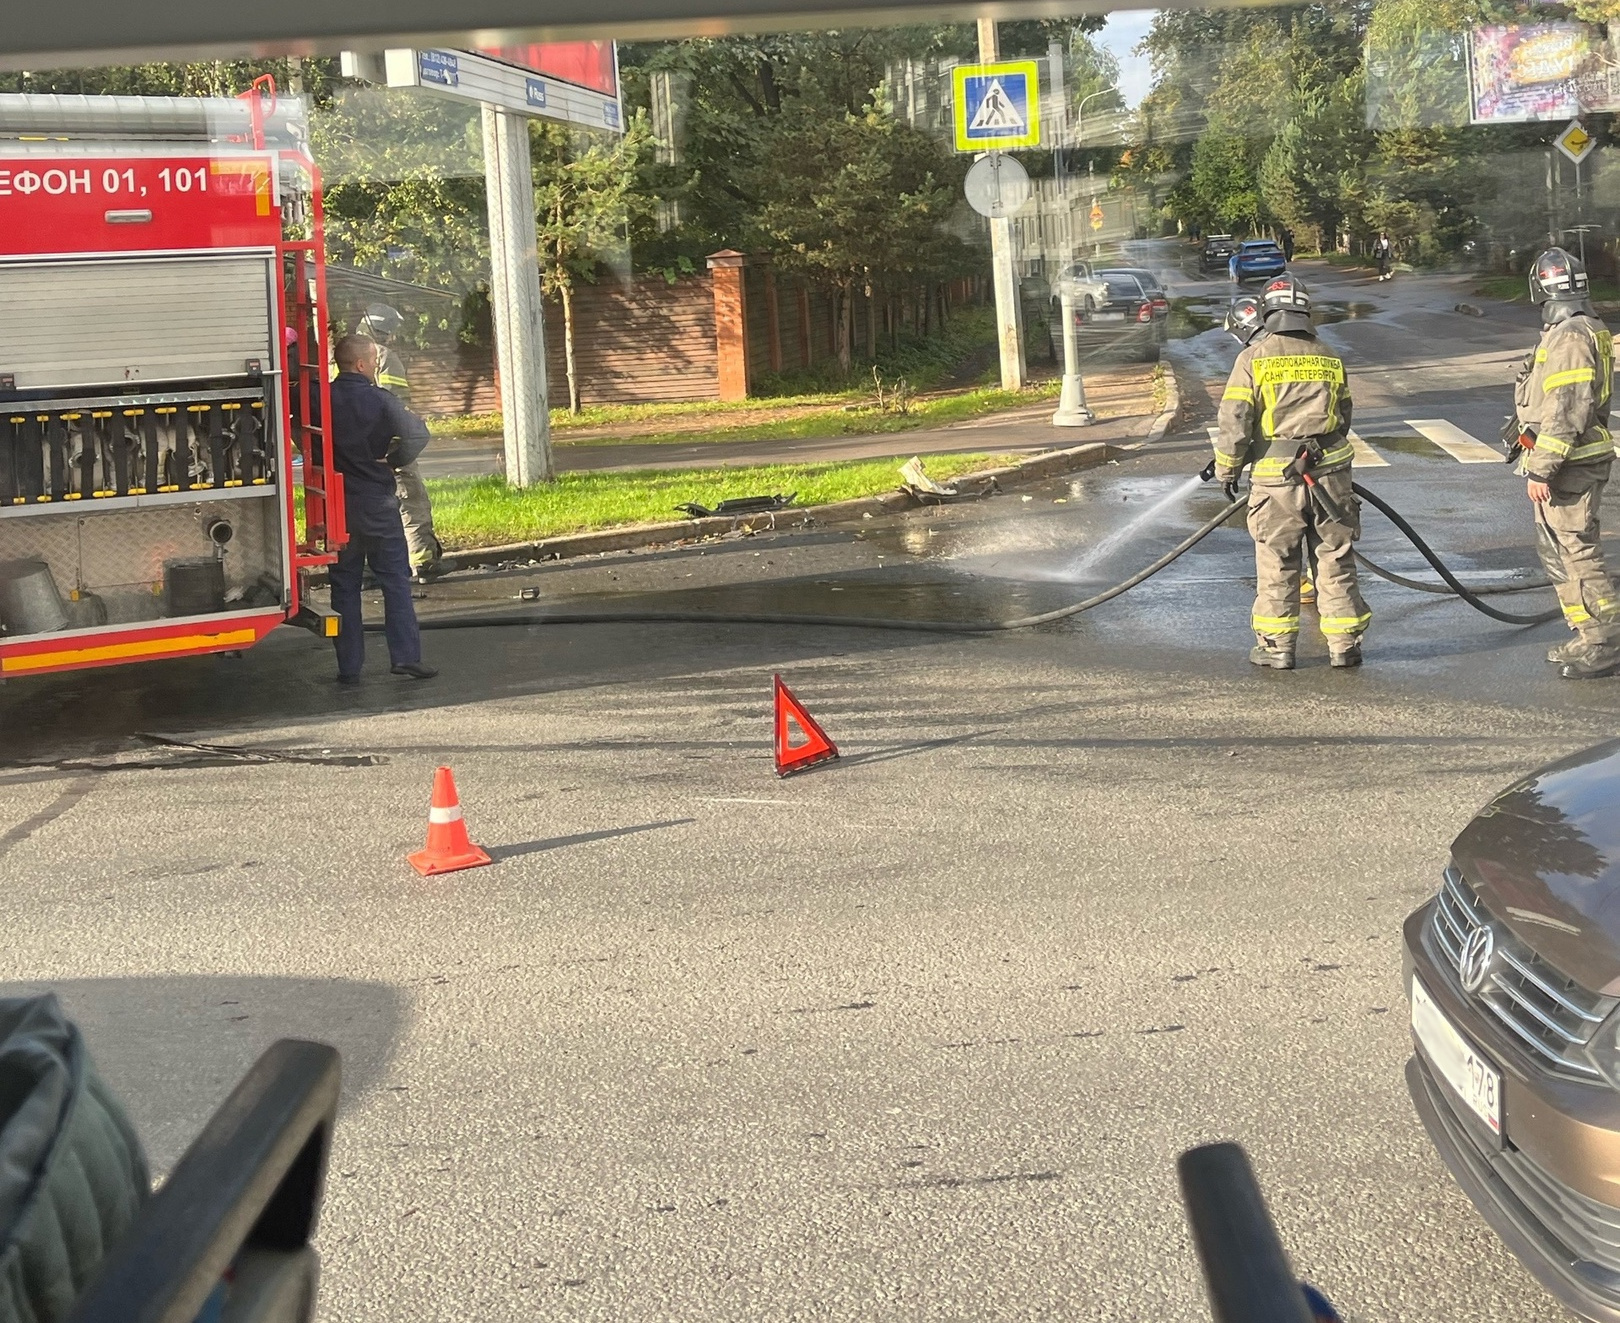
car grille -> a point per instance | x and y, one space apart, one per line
1553 1015
1590 1230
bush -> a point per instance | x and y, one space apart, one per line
921 360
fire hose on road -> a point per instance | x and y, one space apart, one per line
1468 595
1454 587
1440 589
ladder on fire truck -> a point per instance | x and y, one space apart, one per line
306 379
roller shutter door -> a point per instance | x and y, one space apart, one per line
65 325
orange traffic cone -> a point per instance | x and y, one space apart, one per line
447 846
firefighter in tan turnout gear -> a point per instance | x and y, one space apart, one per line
1246 323
1562 404
383 323
1286 412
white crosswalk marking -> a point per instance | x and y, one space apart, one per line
1454 441
1364 455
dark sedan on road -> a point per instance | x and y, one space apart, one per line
1257 259
1154 291
1513 973
1216 252
1120 323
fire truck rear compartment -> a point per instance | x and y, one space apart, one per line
109 565
73 324
140 438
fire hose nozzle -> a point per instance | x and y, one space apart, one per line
1207 473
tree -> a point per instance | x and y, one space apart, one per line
1310 175
404 186
1223 188
1260 115
199 78
851 200
584 193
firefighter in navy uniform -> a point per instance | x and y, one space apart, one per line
370 429
382 323
1286 411
1562 405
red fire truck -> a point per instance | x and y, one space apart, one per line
162 378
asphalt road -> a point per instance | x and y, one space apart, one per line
916 1035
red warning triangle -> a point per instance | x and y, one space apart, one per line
817 748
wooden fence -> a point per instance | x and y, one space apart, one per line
703 337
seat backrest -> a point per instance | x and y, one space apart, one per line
73 1176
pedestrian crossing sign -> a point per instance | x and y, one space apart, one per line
997 106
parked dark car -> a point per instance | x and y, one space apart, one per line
1257 259
1513 972
1121 322
1217 252
1155 292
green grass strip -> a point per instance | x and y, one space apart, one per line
478 512
803 417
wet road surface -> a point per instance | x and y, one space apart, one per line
916 1035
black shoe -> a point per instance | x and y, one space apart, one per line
1340 658
1567 652
1594 664
415 670
348 679
1267 653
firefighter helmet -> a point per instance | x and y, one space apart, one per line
1286 305
1243 318
381 322
1558 281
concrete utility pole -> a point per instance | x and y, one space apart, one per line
1009 307
514 295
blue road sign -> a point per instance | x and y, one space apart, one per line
997 106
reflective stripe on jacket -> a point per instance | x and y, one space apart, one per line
1284 390
391 373
1564 400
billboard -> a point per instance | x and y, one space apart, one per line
569 83
591 64
1538 71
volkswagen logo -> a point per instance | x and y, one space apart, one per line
1475 962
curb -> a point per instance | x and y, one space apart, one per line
1047 464
1172 410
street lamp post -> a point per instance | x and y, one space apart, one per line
1072 410
1080 112
1080 139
